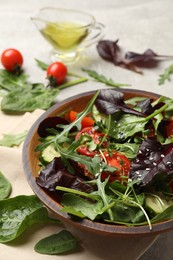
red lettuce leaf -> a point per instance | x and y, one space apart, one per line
50 122
152 159
56 174
110 50
110 101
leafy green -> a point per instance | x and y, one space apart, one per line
42 64
103 79
166 76
128 125
28 98
10 140
10 81
5 187
55 244
66 128
80 207
19 213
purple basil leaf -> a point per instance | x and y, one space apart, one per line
108 50
55 174
148 55
146 106
110 101
153 158
50 122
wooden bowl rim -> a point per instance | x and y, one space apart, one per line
55 207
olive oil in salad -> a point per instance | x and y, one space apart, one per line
64 35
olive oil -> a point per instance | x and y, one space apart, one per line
64 35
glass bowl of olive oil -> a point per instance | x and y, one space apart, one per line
69 32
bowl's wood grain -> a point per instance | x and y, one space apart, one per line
30 162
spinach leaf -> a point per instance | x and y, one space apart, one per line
125 213
10 140
78 206
10 82
19 213
59 243
28 98
130 150
126 126
5 187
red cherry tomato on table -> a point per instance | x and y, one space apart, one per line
12 60
86 121
120 162
56 73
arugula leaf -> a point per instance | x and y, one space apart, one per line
103 79
102 193
10 140
42 64
166 76
55 244
5 187
66 128
19 213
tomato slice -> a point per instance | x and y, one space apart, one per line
96 137
119 161
169 129
86 121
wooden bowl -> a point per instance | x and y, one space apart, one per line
31 168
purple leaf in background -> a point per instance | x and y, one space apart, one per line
110 50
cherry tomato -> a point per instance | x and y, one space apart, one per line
12 60
56 73
90 131
169 129
119 161
86 121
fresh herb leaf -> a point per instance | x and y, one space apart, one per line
55 174
60 243
42 64
10 81
19 213
153 159
5 187
110 50
79 206
66 129
10 140
166 76
103 79
110 101
28 98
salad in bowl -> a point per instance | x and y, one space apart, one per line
108 161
